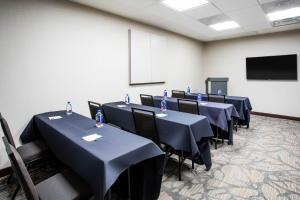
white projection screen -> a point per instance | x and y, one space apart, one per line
147 62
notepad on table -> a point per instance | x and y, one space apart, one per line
121 106
55 117
92 137
161 115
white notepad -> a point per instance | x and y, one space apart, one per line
121 106
55 117
203 103
160 115
92 137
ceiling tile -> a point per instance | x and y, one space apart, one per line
257 26
231 5
204 11
248 13
244 17
266 1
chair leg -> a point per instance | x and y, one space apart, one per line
108 195
179 167
129 188
15 192
193 164
10 177
166 158
216 141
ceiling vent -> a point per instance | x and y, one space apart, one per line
279 5
214 19
285 22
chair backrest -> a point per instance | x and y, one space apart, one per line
145 124
147 100
178 94
6 131
216 98
94 107
21 172
188 106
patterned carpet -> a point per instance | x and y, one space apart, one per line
263 163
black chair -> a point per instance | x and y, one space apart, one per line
30 153
145 126
216 98
94 107
188 106
178 94
147 100
63 186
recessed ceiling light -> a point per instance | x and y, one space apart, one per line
284 14
182 5
224 25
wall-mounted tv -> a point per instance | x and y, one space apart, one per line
282 67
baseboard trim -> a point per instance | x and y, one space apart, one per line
276 116
5 171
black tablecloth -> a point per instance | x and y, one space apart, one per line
218 114
100 162
242 105
182 131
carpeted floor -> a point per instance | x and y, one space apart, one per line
263 163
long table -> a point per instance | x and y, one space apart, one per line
242 105
100 162
181 131
218 114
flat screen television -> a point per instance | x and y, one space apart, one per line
282 67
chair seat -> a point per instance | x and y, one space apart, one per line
63 186
32 151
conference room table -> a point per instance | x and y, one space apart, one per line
102 161
218 114
241 104
182 131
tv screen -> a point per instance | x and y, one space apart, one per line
283 67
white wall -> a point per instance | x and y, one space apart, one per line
54 51
228 59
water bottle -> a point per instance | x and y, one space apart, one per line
188 90
127 99
69 108
219 92
99 118
165 94
199 97
163 105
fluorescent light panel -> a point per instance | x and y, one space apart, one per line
284 14
182 5
224 25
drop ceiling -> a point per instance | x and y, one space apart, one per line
249 14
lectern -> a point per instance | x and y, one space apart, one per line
213 85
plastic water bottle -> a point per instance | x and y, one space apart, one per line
127 99
163 105
199 97
188 90
219 92
99 118
69 108
165 94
